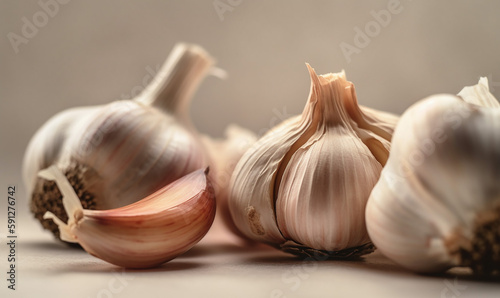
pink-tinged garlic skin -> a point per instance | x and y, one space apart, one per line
149 232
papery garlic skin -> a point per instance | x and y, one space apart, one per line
146 233
132 149
437 203
305 183
224 155
123 151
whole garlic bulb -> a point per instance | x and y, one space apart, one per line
119 153
225 154
304 185
437 203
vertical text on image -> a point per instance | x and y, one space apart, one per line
11 238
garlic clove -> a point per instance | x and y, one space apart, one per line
299 207
224 155
380 119
146 233
252 199
437 204
303 186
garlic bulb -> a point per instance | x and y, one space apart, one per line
437 203
304 185
116 154
144 234
225 154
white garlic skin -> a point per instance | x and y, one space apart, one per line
332 219
46 145
441 179
132 148
306 182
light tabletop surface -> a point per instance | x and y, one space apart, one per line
220 267
82 53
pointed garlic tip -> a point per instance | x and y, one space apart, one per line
330 76
311 71
479 94
149 232
484 82
326 98
314 81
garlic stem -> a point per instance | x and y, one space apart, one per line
177 80
330 93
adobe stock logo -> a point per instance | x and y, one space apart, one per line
452 290
31 26
363 36
221 7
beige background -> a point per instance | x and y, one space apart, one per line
92 52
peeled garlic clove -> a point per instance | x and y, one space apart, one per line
118 153
146 233
304 185
437 203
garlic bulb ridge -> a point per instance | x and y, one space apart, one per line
304 185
